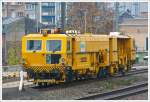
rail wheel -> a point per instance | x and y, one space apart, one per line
39 83
69 74
122 69
129 66
45 84
76 75
103 73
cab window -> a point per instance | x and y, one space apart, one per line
68 45
53 45
34 45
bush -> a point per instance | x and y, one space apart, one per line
13 59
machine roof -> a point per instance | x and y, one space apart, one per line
81 36
49 35
92 38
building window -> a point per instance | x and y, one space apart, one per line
49 21
27 15
52 4
19 3
29 7
48 4
12 10
20 14
44 4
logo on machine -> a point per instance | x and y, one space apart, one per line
83 59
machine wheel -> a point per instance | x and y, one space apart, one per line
122 70
69 74
76 75
45 84
107 72
100 73
39 83
129 66
103 72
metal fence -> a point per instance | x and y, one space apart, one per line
11 68
12 71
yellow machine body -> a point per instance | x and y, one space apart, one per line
38 57
76 56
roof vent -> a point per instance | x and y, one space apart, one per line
45 32
114 33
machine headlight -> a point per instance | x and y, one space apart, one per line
63 60
23 61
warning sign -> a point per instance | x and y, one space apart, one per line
83 59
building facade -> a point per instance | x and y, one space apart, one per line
53 14
32 10
13 9
138 29
21 9
135 8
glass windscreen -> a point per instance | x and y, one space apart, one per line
34 45
53 58
53 45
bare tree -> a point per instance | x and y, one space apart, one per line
89 16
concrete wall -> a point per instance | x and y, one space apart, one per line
138 28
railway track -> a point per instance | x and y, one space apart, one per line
135 71
80 82
83 88
74 83
119 93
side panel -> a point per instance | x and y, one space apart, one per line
69 52
83 60
113 50
125 47
84 53
132 49
121 54
91 46
132 52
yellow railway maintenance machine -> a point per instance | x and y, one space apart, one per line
54 58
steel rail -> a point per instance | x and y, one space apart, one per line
80 82
119 93
138 71
132 72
